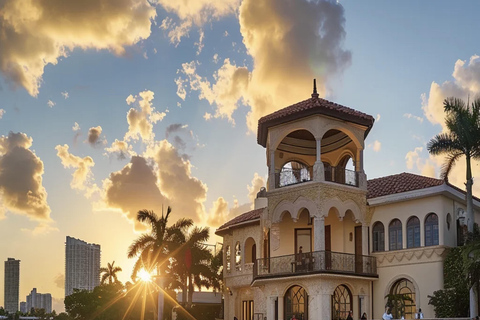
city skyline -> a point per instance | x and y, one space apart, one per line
160 110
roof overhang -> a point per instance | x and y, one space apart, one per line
222 231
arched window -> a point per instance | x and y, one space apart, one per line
296 303
378 237
238 257
431 230
395 235
341 302
401 299
250 248
294 172
228 255
413 232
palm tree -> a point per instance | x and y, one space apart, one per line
109 273
462 139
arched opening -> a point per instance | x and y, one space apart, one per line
250 251
431 229
413 232
228 256
395 235
378 236
294 172
401 299
238 257
296 303
341 302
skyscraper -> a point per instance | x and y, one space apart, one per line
12 284
39 301
82 265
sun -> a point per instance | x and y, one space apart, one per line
144 275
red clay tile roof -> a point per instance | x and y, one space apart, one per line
314 105
244 217
398 183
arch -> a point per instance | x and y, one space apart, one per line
413 232
395 235
293 172
296 303
342 302
285 133
401 299
342 207
342 156
356 140
250 250
431 229
378 236
294 208
228 258
238 256
409 278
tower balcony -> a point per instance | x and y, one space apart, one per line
290 176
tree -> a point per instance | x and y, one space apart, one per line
462 139
109 273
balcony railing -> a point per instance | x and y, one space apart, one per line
315 262
341 175
290 176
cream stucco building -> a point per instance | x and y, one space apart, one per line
322 240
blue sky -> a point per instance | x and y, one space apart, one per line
390 59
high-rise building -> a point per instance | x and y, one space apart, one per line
82 265
23 307
39 301
12 284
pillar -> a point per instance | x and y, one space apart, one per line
280 308
271 175
319 233
318 169
271 308
325 310
364 240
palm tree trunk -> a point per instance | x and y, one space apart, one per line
190 291
469 185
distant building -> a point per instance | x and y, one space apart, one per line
39 301
23 307
12 284
82 265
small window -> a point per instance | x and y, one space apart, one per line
431 230
413 233
238 257
449 220
250 251
228 258
378 237
395 235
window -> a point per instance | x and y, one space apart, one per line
238 257
296 303
413 232
431 230
247 312
395 235
341 302
402 299
228 258
303 238
250 251
378 237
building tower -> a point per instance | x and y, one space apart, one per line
82 265
12 284
39 301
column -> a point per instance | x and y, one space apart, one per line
271 174
319 233
325 310
359 161
270 308
318 169
364 240
280 308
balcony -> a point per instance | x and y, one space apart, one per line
289 176
315 262
341 175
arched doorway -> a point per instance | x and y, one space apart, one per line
296 303
341 302
401 299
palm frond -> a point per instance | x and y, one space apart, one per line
448 165
139 245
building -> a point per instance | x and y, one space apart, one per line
23 307
322 240
37 300
11 285
82 265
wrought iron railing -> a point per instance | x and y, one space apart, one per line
315 262
341 175
290 176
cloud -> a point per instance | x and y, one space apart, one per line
306 43
65 94
426 167
21 172
121 149
207 116
41 228
33 36
174 132
411 116
200 43
2 112
94 136
176 32
50 103
378 117
376 145
82 177
141 119
257 183
76 127
59 280
215 58
200 11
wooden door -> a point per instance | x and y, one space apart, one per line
358 250
328 248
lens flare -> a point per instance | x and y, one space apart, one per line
144 275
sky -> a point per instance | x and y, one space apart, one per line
109 107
